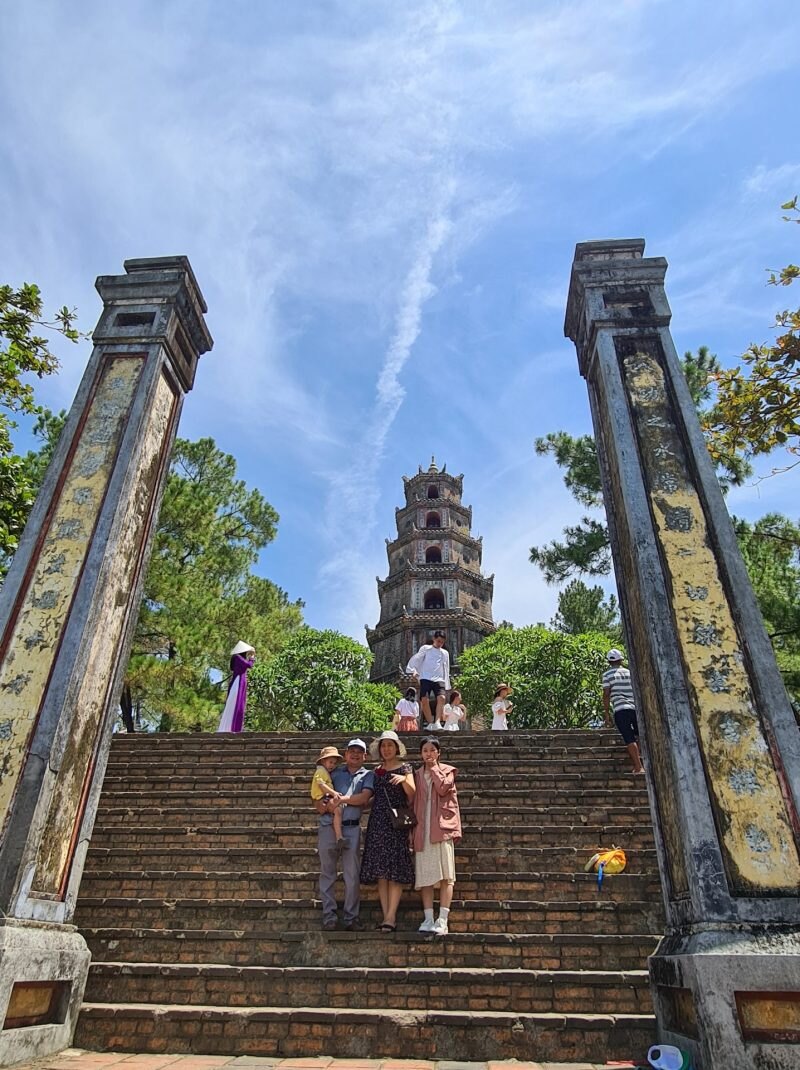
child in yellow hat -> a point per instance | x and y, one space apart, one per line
322 789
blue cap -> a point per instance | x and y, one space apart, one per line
357 743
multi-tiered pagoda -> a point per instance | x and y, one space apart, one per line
435 580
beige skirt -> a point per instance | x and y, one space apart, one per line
436 863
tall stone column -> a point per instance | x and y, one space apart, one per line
67 612
721 742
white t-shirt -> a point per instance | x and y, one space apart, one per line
431 663
453 716
499 717
406 708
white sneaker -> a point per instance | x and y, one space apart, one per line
427 926
440 927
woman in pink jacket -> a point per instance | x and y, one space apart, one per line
437 830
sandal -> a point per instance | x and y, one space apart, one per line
385 927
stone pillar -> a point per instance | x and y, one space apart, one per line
67 613
721 743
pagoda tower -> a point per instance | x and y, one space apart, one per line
435 579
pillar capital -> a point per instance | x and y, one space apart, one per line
158 300
613 284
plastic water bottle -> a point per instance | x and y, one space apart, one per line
668 1057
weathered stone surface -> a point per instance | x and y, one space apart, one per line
67 612
722 743
32 952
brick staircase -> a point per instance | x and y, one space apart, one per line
199 905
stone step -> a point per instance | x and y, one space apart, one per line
299 767
625 834
496 885
211 906
531 951
469 860
602 807
305 1032
564 790
574 738
276 915
424 988
299 771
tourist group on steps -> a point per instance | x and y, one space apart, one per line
414 823
414 818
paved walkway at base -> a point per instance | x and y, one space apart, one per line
75 1059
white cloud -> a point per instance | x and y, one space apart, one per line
353 491
325 171
771 182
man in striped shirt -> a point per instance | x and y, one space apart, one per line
618 696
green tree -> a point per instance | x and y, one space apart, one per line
758 402
200 595
771 551
556 677
585 548
584 609
318 680
24 353
47 429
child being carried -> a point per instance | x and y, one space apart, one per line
322 789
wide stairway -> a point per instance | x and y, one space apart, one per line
199 903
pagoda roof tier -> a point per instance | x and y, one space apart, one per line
436 534
434 618
445 570
433 505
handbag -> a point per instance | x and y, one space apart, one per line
402 818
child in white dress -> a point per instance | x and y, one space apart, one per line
501 708
454 713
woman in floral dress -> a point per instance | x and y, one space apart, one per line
387 856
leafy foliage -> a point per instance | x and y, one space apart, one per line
584 609
318 680
758 402
585 548
556 677
23 354
199 595
771 551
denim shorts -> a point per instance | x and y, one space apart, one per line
625 720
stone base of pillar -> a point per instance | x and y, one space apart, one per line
43 970
731 999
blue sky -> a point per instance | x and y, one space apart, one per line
381 203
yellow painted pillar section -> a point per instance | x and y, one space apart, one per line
34 640
750 810
113 601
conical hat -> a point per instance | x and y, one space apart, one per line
243 648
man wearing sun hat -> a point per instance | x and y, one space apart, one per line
618 696
353 780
